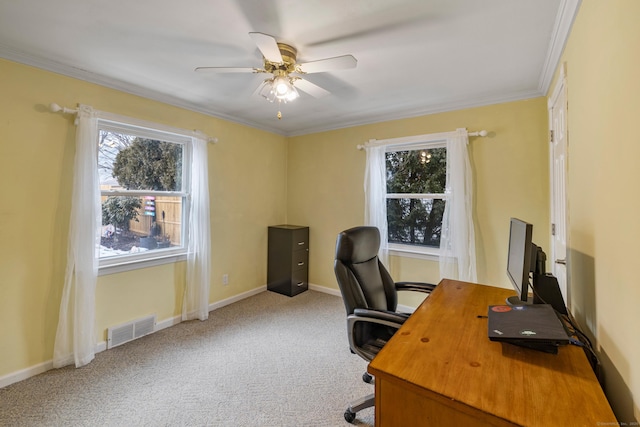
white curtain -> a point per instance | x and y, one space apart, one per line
457 241
375 200
75 336
195 304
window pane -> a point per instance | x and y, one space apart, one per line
140 224
417 171
134 163
415 221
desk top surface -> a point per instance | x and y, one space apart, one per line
443 348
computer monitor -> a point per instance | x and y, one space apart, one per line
519 261
526 268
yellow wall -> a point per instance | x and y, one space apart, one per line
510 170
248 193
603 80
259 179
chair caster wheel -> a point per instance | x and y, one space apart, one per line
367 378
349 416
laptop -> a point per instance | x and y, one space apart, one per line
534 326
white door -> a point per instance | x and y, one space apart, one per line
558 170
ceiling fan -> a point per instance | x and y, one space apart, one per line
280 61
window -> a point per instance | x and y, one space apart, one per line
144 187
415 181
418 191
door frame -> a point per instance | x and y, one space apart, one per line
559 88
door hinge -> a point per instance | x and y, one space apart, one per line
551 135
553 229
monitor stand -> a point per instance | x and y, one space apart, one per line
548 292
515 300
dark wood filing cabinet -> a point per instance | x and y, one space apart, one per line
287 268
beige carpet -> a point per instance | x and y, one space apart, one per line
268 360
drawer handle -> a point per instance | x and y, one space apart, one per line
301 263
300 243
300 283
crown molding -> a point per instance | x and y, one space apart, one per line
382 116
409 114
54 66
567 12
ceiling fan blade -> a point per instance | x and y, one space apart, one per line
225 70
329 64
268 46
310 88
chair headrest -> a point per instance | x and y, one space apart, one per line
358 244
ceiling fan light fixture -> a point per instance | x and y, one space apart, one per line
280 60
266 90
283 87
293 93
279 88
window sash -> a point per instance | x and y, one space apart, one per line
143 131
137 128
441 196
182 229
142 193
129 126
414 144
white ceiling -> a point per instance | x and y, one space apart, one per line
414 57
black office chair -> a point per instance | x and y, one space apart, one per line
370 297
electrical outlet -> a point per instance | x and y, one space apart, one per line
225 279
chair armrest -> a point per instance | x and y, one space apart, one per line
415 286
378 317
374 316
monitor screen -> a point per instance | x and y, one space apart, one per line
519 259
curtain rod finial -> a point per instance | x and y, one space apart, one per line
478 133
55 108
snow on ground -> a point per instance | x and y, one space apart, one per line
107 252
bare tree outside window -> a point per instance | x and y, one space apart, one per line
135 173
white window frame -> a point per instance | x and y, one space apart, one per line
414 251
120 124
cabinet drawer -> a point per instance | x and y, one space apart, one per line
299 260
299 281
300 239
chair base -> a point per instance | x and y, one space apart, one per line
358 405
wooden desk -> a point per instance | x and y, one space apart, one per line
441 369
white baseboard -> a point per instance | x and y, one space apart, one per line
172 321
236 298
336 292
166 323
102 345
25 373
324 289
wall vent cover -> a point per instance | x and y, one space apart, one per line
130 331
